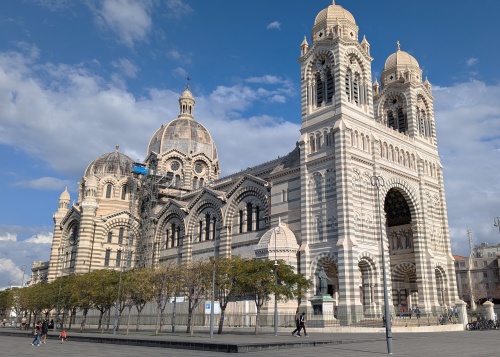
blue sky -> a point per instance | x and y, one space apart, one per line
79 77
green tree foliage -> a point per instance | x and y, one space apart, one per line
261 279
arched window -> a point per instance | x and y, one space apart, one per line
330 86
390 120
178 242
124 192
257 213
241 221
177 180
207 226
402 124
200 233
202 182
195 182
110 236
249 216
109 188
172 242
355 88
118 262
214 221
348 85
106 257
120 236
312 145
319 90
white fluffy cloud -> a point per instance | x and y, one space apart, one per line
8 237
130 20
274 25
43 238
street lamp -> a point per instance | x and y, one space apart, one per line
212 301
497 223
23 269
276 232
378 182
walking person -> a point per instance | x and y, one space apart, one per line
417 312
36 332
45 331
297 324
302 324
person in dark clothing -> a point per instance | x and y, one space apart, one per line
302 324
296 332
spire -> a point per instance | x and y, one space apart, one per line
186 103
399 45
117 147
333 2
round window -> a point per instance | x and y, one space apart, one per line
198 168
175 166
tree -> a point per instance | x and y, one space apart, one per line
260 278
104 291
226 270
141 291
165 283
196 277
6 302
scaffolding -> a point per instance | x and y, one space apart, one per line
150 180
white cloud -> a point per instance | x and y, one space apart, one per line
180 72
178 9
129 19
471 61
467 119
274 26
42 238
45 183
126 67
174 54
8 237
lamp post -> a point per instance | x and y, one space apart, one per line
117 303
276 232
378 182
59 250
23 269
212 301
497 223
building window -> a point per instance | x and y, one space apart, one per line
257 214
462 264
129 259
195 183
120 236
485 263
106 257
207 226
72 259
109 188
330 86
241 221
249 217
475 264
485 274
124 192
118 258
110 236
319 90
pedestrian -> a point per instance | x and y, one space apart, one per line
383 320
45 331
63 336
302 325
23 323
297 324
410 312
36 332
4 322
401 312
417 312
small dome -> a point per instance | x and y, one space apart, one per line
187 94
280 237
114 163
334 12
65 196
400 59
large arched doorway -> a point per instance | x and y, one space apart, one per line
401 250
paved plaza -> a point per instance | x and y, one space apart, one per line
473 343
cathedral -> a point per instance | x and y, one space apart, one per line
365 166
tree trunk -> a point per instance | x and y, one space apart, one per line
84 318
221 320
128 318
173 314
257 320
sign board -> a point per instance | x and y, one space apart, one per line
216 308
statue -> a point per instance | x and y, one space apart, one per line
323 285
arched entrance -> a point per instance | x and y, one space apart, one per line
367 284
401 250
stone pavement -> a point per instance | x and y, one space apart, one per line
467 343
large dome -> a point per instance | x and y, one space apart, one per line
113 163
183 134
333 13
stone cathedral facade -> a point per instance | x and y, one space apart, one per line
316 208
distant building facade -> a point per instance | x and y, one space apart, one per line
478 275
316 208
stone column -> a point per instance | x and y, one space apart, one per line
462 312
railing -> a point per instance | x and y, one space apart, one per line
148 321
